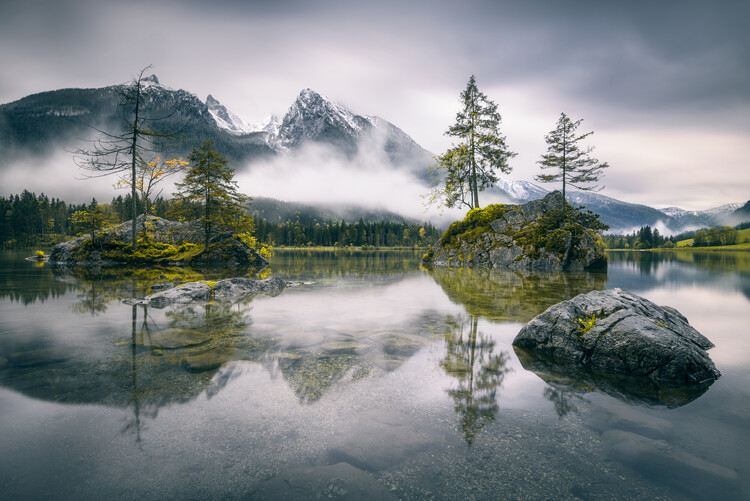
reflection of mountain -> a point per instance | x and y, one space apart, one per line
512 296
314 363
471 359
568 382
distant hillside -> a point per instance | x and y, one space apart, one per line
278 211
623 217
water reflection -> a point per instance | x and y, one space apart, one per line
512 296
571 382
647 262
471 359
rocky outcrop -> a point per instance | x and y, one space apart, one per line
227 250
168 242
227 289
541 235
622 333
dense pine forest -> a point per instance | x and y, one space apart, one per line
29 220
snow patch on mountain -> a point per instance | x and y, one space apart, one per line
227 120
522 191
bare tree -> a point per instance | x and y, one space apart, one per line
122 153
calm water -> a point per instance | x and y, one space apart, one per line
376 379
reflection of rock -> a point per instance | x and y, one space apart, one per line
512 296
620 332
230 288
571 380
339 481
177 338
663 461
376 440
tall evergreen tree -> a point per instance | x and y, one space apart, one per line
471 165
573 163
209 184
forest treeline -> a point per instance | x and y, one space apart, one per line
650 238
30 220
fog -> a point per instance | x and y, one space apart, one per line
318 174
57 176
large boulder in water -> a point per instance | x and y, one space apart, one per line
623 333
541 235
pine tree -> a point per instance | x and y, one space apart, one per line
471 166
209 184
574 164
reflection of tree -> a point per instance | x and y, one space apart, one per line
562 397
316 264
92 300
512 296
470 358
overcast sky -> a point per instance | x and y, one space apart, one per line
665 85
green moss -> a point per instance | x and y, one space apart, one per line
474 225
428 256
586 324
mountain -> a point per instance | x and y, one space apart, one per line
279 211
46 122
740 215
623 217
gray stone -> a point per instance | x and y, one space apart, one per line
338 481
239 287
665 462
185 293
230 288
160 286
177 338
627 335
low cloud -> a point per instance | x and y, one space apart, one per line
318 174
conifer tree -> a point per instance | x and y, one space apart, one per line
209 184
575 166
471 165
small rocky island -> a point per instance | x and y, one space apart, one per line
618 332
541 235
160 242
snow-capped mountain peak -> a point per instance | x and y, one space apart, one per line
314 116
227 120
522 191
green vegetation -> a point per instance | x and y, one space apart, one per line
574 165
469 167
717 238
314 233
210 187
586 324
559 230
555 231
476 223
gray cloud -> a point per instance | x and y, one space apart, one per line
631 69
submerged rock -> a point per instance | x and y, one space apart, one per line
336 481
623 333
541 235
230 288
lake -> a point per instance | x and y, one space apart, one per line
373 379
